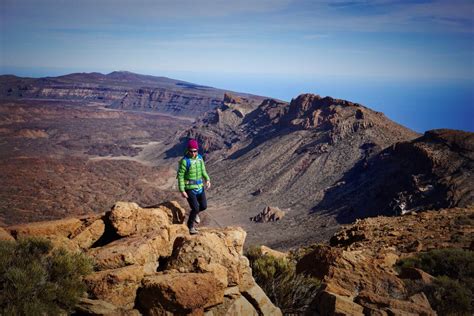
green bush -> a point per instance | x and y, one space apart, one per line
452 262
278 279
449 297
452 291
37 280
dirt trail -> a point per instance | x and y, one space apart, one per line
147 156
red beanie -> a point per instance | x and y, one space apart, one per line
193 144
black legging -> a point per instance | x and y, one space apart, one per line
198 203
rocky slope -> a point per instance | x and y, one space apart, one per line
120 90
289 156
147 263
324 162
357 269
431 172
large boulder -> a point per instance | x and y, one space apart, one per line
63 227
210 250
180 293
138 249
128 218
91 234
117 286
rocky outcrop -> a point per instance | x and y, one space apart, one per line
221 129
357 269
146 262
269 214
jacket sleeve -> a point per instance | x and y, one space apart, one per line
204 172
181 172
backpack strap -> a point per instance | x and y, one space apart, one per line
188 163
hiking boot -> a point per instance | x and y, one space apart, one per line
193 231
197 220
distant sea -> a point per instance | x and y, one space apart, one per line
417 104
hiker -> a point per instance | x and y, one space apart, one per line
191 171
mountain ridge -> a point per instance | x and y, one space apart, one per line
121 90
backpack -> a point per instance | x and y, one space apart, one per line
188 163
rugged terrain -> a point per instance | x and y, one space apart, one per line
358 267
120 90
63 158
147 263
321 161
324 162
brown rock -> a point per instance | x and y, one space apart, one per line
174 211
333 304
88 306
117 286
269 214
318 262
389 259
260 301
416 274
90 234
222 247
143 249
241 306
180 293
63 227
4 235
394 306
128 218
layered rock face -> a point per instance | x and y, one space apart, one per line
358 271
147 263
120 90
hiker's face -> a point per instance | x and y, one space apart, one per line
193 152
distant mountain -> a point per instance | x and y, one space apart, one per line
323 159
121 90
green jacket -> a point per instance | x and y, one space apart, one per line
196 171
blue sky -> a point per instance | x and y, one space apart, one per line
357 50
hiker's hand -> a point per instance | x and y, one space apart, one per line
208 184
184 194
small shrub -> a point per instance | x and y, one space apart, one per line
449 297
278 279
452 291
37 280
455 263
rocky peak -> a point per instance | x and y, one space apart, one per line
310 111
231 99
